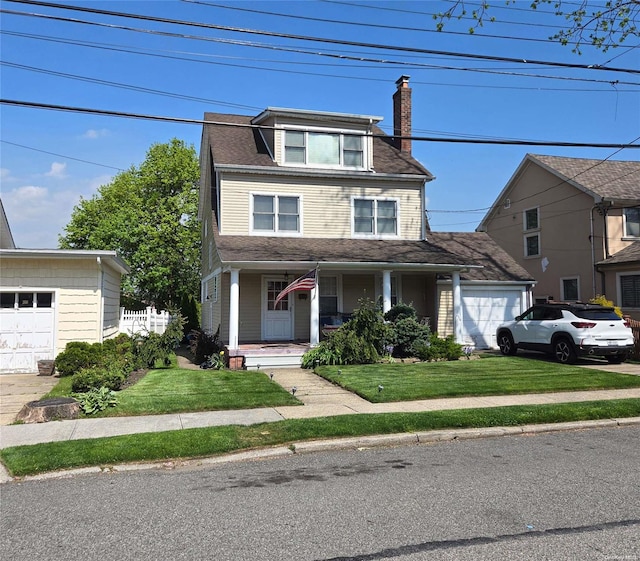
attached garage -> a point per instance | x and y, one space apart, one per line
51 297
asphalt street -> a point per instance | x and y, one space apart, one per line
555 496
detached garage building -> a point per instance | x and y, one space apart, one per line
49 297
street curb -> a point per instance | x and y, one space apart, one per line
353 443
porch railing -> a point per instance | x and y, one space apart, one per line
144 321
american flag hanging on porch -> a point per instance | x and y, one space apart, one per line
305 282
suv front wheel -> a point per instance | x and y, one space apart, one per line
563 351
506 344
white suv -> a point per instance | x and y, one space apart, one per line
568 331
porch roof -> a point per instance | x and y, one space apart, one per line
473 253
630 255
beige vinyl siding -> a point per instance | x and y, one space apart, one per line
355 288
419 291
445 311
111 299
325 206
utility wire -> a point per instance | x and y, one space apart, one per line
504 142
379 46
364 24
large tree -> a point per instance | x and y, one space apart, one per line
149 215
601 24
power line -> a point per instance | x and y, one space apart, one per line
364 24
59 155
378 46
181 120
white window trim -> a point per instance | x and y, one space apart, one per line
626 236
374 235
271 233
563 297
530 235
619 286
338 278
524 219
366 147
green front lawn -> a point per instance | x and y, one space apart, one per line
493 375
176 390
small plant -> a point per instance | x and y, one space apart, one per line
88 379
216 361
96 400
602 300
439 349
154 347
408 334
76 356
203 344
323 354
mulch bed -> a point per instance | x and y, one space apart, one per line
133 378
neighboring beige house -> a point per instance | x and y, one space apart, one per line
574 225
49 297
291 191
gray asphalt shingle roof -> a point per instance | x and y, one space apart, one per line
629 254
612 179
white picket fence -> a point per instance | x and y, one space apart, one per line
143 321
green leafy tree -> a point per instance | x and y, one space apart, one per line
601 24
149 215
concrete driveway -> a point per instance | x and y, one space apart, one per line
18 389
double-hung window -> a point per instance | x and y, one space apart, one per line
376 217
531 227
632 222
323 149
276 213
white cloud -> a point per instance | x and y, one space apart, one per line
37 215
5 174
57 170
95 133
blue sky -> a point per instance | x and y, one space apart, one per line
50 159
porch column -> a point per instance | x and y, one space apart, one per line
386 291
314 320
457 308
234 308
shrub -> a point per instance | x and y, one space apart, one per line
438 349
76 356
203 344
320 355
96 400
408 336
95 377
602 300
400 311
154 347
368 324
352 348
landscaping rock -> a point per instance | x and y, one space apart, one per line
53 409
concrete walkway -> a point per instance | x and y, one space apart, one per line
320 399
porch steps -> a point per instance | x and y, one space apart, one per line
260 362
256 356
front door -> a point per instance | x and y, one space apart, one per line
276 320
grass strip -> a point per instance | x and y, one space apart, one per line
200 442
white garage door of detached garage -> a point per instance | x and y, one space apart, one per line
484 309
27 324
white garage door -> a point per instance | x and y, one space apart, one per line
483 310
26 330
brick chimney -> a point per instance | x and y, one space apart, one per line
402 115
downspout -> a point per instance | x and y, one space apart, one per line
593 253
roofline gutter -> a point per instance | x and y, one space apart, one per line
110 257
352 265
305 172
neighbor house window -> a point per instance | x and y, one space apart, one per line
531 219
375 217
276 213
570 290
632 222
532 245
324 149
630 291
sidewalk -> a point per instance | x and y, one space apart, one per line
320 399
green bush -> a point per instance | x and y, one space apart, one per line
439 349
352 348
400 311
154 347
320 355
409 336
368 324
76 356
96 400
88 379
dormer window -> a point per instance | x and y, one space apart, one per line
323 149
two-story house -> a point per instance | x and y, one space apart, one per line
574 224
291 191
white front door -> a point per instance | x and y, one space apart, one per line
277 321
